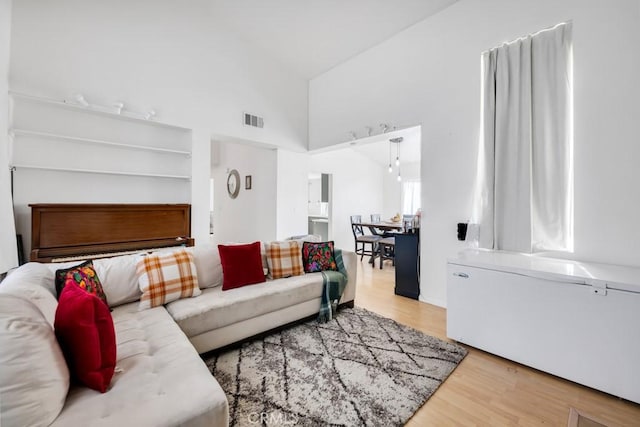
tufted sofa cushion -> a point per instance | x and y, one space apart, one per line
34 378
216 308
164 383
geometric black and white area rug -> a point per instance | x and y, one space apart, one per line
358 369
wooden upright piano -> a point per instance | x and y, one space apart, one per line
68 232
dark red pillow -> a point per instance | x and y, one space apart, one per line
241 265
84 329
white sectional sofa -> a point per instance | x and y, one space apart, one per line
160 378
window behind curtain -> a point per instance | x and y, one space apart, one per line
525 163
410 197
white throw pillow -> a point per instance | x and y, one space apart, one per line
119 279
207 260
34 378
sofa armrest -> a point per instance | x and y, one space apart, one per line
351 265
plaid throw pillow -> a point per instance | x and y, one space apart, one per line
284 259
166 277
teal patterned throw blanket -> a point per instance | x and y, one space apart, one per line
333 284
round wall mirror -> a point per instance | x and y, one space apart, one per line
233 184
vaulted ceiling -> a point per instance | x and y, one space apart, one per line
313 36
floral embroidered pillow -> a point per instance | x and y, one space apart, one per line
318 257
83 276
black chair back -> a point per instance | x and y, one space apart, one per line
407 221
356 228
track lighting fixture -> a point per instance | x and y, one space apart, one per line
115 108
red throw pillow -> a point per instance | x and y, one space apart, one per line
84 329
241 265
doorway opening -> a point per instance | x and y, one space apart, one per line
319 204
362 183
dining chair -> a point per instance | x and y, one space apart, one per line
362 239
375 231
386 250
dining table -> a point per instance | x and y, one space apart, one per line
380 228
382 225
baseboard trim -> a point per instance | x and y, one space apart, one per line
433 301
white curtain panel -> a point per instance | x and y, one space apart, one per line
525 187
552 141
410 197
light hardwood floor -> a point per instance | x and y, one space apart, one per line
487 390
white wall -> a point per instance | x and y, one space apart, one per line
431 76
163 55
8 252
252 215
356 190
291 211
200 183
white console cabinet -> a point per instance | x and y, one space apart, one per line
578 321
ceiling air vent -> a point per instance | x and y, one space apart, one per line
255 121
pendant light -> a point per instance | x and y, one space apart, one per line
396 141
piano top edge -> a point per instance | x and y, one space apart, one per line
107 205
103 251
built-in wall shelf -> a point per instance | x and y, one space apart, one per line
23 132
102 172
65 152
92 109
